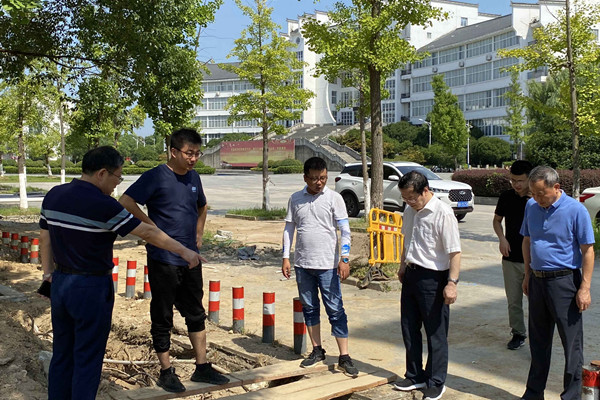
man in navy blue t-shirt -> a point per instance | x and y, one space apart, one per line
79 224
176 204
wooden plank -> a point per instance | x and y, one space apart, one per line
322 387
271 372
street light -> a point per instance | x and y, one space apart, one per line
429 125
469 126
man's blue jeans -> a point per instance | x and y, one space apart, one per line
310 281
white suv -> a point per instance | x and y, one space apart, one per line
349 183
590 198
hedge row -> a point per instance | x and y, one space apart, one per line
132 170
492 182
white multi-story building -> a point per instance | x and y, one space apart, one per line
463 47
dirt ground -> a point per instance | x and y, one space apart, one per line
25 326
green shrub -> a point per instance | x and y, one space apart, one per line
10 162
289 169
289 161
147 164
43 170
34 163
492 182
56 163
204 170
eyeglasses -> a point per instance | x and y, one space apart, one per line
189 154
317 179
411 200
120 178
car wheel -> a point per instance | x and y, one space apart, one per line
351 204
460 217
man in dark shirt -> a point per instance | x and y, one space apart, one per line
176 203
511 205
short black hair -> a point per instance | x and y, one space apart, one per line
314 163
101 157
521 167
184 136
414 179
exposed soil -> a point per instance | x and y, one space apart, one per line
26 330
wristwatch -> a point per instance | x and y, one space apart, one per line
455 281
345 260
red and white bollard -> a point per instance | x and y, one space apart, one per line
268 317
238 309
214 301
24 249
590 383
34 255
147 292
14 243
130 281
6 238
299 328
115 273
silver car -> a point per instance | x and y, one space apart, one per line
349 183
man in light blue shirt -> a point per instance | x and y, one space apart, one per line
559 260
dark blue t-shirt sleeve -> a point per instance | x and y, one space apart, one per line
144 187
119 220
201 197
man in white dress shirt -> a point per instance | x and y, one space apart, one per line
429 275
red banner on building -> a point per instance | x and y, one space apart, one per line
249 153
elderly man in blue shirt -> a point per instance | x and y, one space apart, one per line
559 261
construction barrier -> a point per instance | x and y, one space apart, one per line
214 301
14 244
299 328
268 317
385 237
590 383
147 292
130 281
6 238
238 309
115 274
34 255
24 249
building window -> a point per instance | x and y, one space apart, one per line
508 39
300 55
421 84
480 47
490 126
501 65
347 118
478 73
464 21
500 99
478 101
454 78
428 35
346 79
388 111
346 99
390 86
595 33
333 97
454 54
421 108
334 115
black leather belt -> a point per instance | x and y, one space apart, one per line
551 274
72 271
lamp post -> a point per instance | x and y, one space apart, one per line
429 125
469 126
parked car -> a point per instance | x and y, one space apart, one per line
590 198
349 183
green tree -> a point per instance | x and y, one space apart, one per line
43 141
569 44
515 117
268 64
490 151
372 33
448 125
405 131
230 137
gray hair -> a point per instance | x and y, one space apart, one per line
543 173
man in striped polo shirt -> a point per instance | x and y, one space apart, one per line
79 224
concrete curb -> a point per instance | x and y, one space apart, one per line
250 218
486 201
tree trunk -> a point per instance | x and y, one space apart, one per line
22 168
376 128
574 116
1 164
48 165
266 204
363 153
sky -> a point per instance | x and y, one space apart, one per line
217 39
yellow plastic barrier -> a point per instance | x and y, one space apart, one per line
385 240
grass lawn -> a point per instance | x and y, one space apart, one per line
33 178
275 213
5 189
6 211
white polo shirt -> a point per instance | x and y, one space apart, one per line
430 235
315 217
